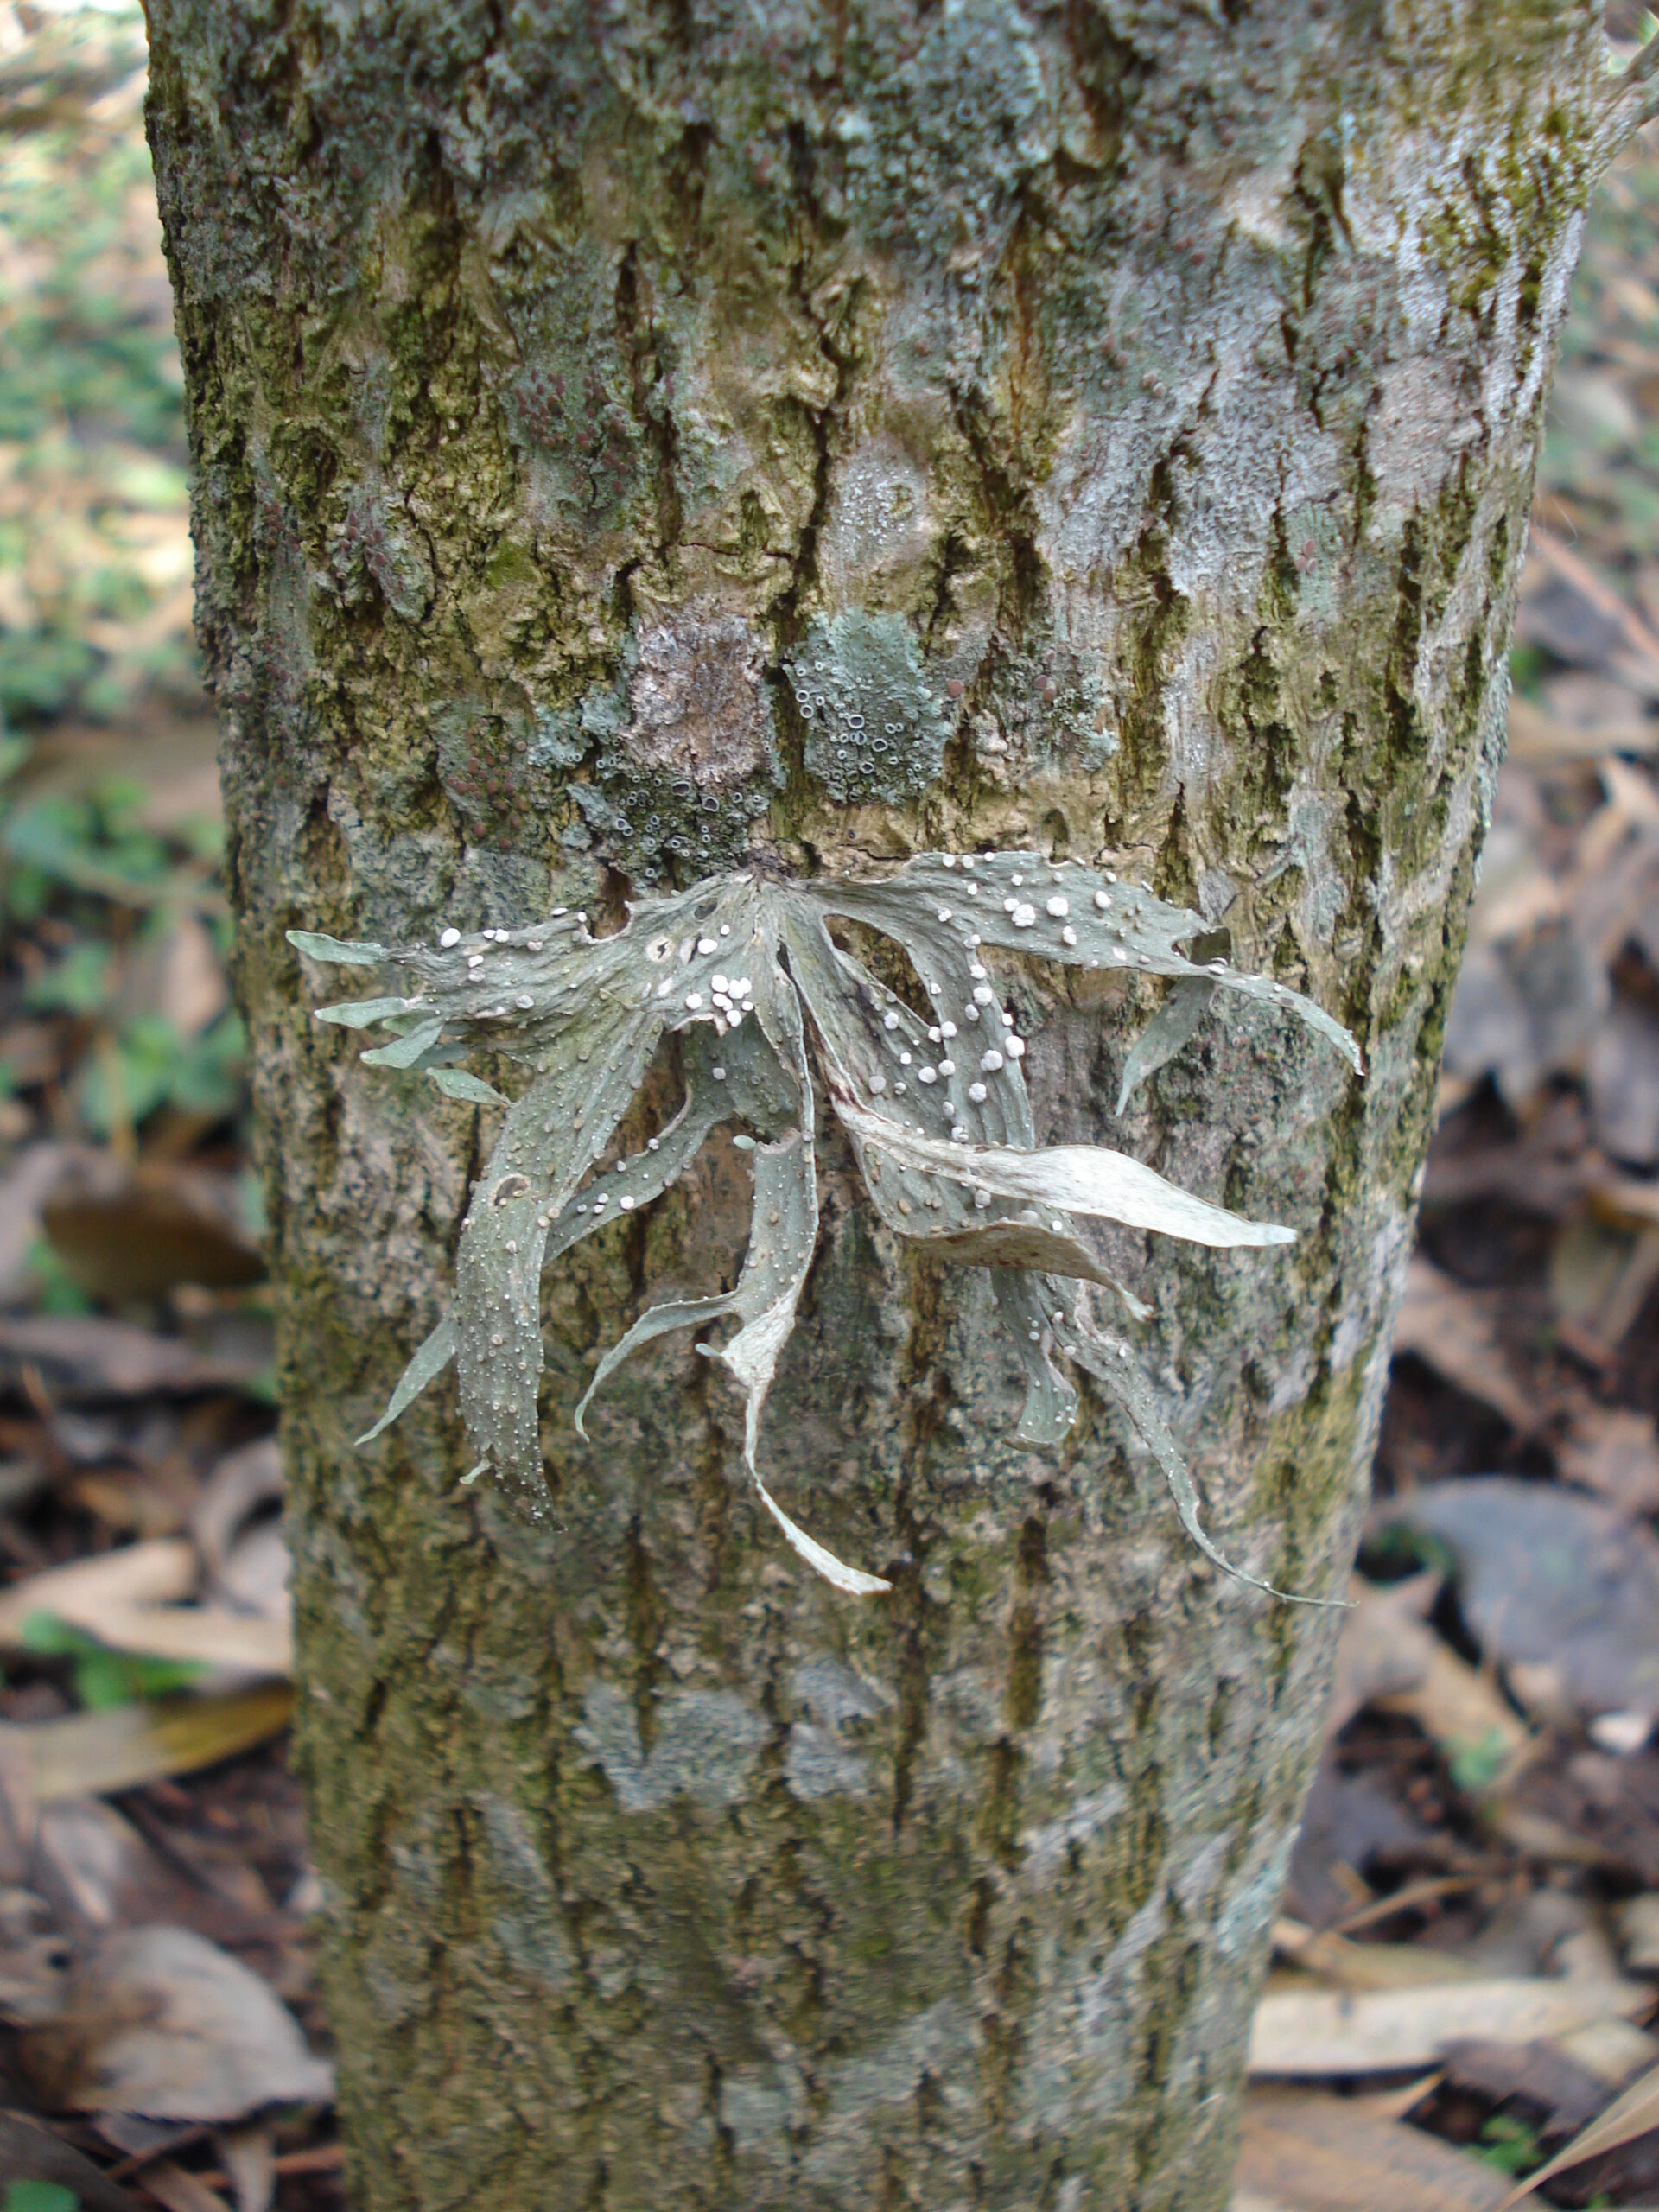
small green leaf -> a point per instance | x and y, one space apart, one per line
456 1083
363 1014
343 952
428 1362
1174 1025
404 1052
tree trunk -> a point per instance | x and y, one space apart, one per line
1144 396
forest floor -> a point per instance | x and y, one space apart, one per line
1465 1999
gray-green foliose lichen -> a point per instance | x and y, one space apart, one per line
874 729
746 972
683 745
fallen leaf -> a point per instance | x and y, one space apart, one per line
131 1234
134 1575
1454 1330
1390 1659
1304 2151
160 2022
1547 1577
31 2152
1382 1644
92 1754
179 2191
1322 2033
1615 2052
88 1357
1637 1921
1587 1809
1623 644
190 987
248 2157
1368 1966
122 1598
1525 1009
244 1552
23 1189
1564 2094
1352 1826
1622 1068
1636 2113
1597 1323
1613 1451
1563 730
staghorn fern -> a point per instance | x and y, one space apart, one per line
936 1108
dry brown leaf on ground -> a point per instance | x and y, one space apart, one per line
150 1573
132 1232
1637 1921
1613 1451
161 2022
1390 1659
178 2190
1322 2034
241 1540
1623 1198
1461 1710
125 1597
91 1754
1566 603
1352 1966
84 1355
1552 1581
1454 1330
1384 1646
248 2157
1303 2151
28 1181
1564 2094
31 2152
1355 1827
1586 1809
186 983
87 1860
1633 2114
1546 735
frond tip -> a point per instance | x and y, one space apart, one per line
934 1102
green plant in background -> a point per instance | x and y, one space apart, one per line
1510 2144
94 551
745 971
147 1064
93 843
40 2196
99 1676
89 861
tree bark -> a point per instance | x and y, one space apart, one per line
1140 399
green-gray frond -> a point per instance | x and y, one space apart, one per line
934 1102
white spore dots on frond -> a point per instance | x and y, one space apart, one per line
584 1016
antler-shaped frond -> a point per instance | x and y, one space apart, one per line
934 1102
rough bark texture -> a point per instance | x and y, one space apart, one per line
1128 408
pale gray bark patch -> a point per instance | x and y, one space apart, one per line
705 1746
1048 1848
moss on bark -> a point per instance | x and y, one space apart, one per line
594 413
